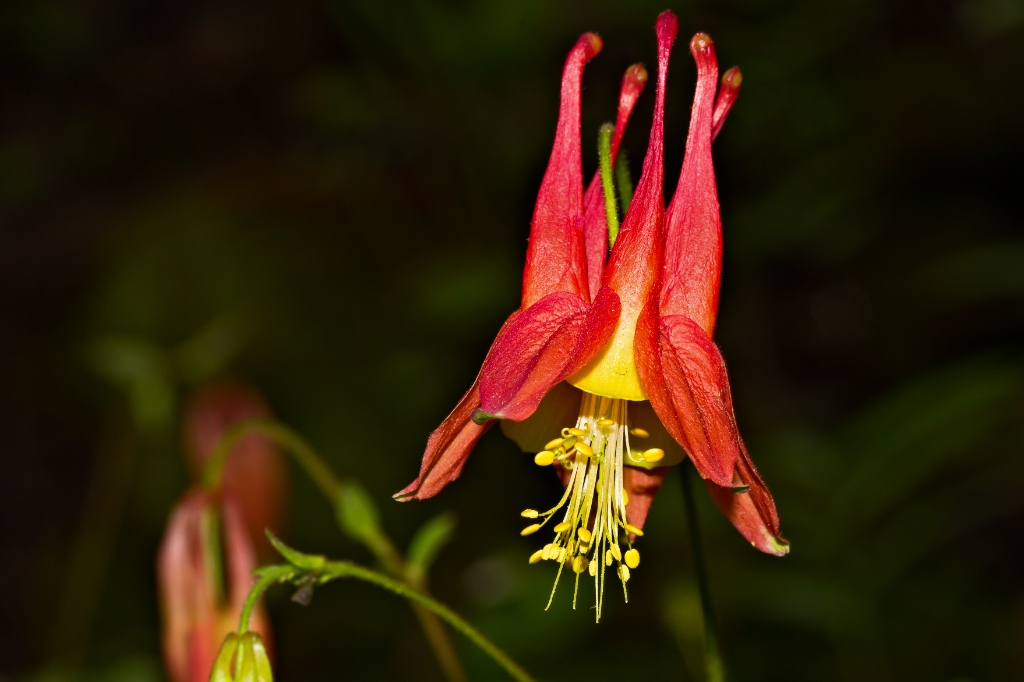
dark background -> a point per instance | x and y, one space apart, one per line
335 196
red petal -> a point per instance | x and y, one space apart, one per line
727 95
633 266
595 219
448 448
641 485
684 376
556 256
752 513
693 234
545 344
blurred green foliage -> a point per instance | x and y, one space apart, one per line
350 184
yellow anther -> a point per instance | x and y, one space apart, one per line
608 558
579 433
623 573
625 496
563 526
561 555
639 433
634 530
605 422
632 558
569 442
530 530
548 549
593 568
583 448
544 458
616 552
529 514
553 444
579 564
584 536
654 455
537 556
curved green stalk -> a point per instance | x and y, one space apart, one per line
604 153
714 667
268 576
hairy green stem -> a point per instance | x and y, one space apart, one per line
268 577
378 543
604 153
713 664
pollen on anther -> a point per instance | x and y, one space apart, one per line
579 433
616 552
632 558
592 568
579 564
654 455
625 496
563 526
537 556
605 422
583 448
529 514
553 444
544 458
633 530
530 530
584 536
639 433
623 573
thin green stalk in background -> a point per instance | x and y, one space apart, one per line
714 667
369 534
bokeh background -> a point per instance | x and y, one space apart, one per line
330 200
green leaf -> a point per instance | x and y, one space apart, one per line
435 534
313 562
357 514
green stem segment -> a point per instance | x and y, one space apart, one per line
332 570
713 664
378 543
604 153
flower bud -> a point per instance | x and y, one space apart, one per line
242 658
199 604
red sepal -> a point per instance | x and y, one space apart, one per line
556 256
595 218
546 343
753 513
684 376
641 485
692 268
448 449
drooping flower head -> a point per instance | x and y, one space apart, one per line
608 370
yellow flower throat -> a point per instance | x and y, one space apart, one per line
587 539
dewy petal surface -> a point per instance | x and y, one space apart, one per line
693 227
633 266
595 218
556 256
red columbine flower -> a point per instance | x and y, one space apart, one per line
620 348
198 610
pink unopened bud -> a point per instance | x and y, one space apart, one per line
255 475
199 603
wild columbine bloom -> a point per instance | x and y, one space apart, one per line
608 369
199 606
255 475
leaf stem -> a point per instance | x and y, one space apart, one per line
268 576
714 667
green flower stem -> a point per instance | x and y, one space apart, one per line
332 570
268 577
377 542
604 153
713 663
288 439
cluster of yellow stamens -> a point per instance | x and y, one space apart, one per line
587 539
